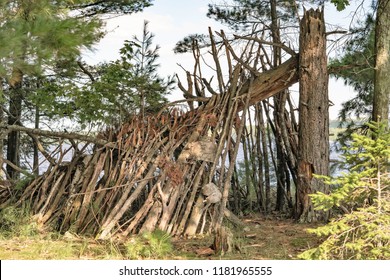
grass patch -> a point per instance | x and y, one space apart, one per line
40 248
263 238
17 222
149 245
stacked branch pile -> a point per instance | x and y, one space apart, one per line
151 172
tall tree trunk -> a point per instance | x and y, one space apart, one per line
280 167
382 62
313 150
2 136
15 110
279 119
35 144
260 156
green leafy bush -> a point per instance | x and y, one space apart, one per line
363 230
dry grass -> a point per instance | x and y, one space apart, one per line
261 238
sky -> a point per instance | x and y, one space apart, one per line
172 20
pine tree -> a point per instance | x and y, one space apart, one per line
108 7
148 84
34 35
362 199
39 37
356 67
365 65
125 87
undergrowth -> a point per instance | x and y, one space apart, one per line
17 222
363 231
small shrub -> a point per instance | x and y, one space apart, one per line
363 232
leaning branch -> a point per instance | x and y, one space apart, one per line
56 134
272 81
266 84
263 42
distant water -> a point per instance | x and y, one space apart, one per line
334 157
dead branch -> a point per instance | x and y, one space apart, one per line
56 134
263 42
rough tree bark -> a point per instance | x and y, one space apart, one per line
382 63
313 150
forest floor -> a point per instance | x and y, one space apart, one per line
260 238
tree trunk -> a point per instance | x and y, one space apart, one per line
313 150
266 135
2 137
15 110
35 145
382 63
259 187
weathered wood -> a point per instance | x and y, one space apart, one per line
268 83
199 150
313 149
56 134
223 241
212 193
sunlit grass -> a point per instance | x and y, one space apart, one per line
21 238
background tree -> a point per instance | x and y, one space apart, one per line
355 66
125 87
381 103
37 35
148 84
108 7
33 36
363 66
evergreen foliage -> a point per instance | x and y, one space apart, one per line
363 231
340 4
36 34
126 86
356 68
242 15
108 7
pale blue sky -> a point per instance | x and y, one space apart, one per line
171 20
